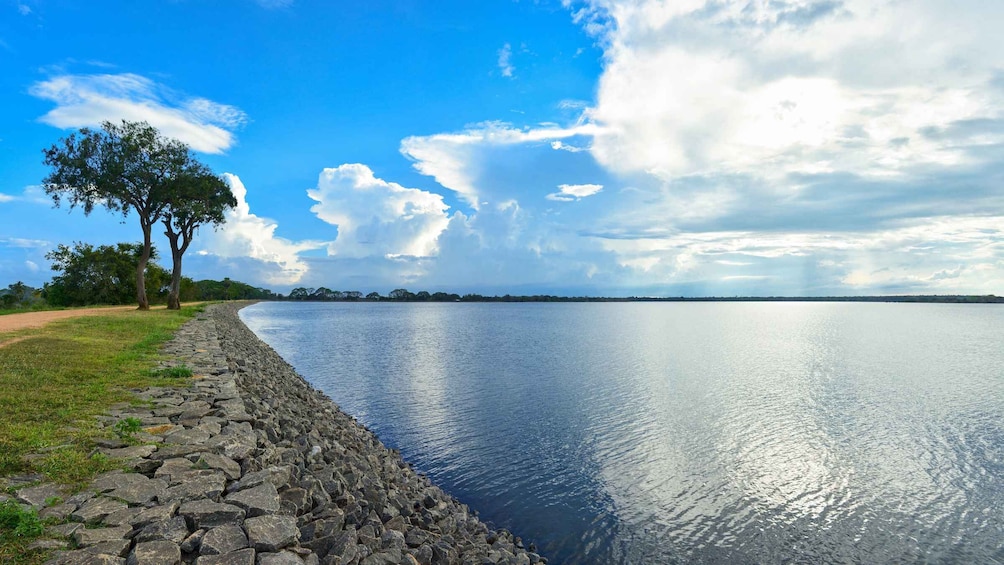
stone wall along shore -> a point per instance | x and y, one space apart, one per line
251 466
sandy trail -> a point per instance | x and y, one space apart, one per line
12 322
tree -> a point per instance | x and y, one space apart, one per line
17 295
127 167
100 275
400 294
373 296
198 197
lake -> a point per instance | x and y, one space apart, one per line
684 432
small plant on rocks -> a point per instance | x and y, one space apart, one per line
19 523
125 428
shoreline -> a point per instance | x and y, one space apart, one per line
251 465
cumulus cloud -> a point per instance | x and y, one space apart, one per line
6 197
810 145
774 87
88 100
504 61
376 217
248 236
455 159
572 192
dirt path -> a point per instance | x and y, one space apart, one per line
12 322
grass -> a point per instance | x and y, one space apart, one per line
176 372
52 384
58 377
18 527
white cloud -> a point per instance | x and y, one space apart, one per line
376 217
560 146
453 159
769 88
88 100
32 193
25 243
504 62
246 235
23 9
31 266
571 192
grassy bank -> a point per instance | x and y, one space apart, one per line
56 378
53 381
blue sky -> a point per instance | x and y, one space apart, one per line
603 147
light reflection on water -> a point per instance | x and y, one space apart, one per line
684 432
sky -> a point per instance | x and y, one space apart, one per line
574 147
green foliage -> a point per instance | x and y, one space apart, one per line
231 290
18 296
101 275
131 168
199 198
18 522
127 427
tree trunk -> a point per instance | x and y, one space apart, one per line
174 296
144 257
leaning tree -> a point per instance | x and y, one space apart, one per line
199 197
127 167
131 167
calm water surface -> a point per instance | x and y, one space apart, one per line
684 432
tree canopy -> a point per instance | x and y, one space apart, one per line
100 275
199 197
131 167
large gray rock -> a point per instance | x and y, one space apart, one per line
281 558
173 530
242 557
131 488
133 452
207 484
85 537
58 512
83 557
187 436
223 539
271 533
153 514
155 553
38 495
257 501
231 469
209 514
95 510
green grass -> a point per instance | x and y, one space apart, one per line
53 383
18 528
177 372
55 380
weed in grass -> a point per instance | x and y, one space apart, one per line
18 522
127 427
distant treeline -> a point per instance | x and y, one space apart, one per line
323 294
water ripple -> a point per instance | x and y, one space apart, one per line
685 433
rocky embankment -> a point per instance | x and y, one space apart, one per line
251 466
